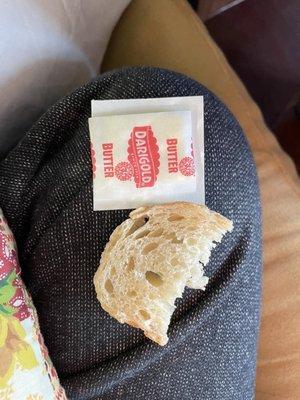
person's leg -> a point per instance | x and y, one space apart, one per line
46 194
168 34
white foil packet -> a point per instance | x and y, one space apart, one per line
147 151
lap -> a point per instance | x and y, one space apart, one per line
46 194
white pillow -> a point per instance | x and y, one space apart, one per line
47 49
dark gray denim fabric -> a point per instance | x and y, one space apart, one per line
46 194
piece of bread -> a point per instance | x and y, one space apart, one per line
149 260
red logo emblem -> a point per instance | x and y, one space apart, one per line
187 166
124 171
143 158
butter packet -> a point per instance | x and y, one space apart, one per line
146 153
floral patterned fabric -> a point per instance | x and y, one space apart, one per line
26 371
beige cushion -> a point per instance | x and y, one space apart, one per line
168 34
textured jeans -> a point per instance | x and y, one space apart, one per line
46 194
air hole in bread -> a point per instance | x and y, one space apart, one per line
142 234
175 261
113 271
138 223
175 217
132 293
144 314
192 228
158 232
109 286
130 265
154 279
173 238
176 240
149 247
